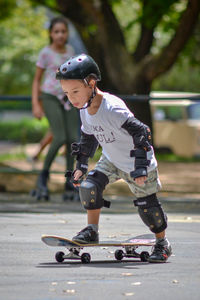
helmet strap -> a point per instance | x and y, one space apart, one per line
94 92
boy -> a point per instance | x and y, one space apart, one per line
126 152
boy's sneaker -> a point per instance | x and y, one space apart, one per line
160 253
86 236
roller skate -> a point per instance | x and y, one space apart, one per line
41 191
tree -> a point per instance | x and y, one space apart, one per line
125 71
6 8
22 36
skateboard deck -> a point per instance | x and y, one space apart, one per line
74 248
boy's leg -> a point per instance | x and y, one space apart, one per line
93 216
91 191
152 214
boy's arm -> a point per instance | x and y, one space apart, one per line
142 141
83 150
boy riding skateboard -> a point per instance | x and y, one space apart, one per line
127 153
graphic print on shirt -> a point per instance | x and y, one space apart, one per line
101 136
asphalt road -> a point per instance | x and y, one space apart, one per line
28 270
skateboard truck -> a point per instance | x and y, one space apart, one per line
74 255
130 252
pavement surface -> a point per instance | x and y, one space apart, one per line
29 271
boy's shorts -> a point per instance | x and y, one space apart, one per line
152 184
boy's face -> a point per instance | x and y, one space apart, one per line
77 92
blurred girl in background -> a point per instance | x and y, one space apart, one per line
48 99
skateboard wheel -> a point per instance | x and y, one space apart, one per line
144 256
59 257
85 258
119 254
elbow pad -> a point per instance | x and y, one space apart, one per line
140 133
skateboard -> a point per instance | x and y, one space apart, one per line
74 248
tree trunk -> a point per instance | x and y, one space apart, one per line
141 108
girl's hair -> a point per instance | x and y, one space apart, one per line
53 22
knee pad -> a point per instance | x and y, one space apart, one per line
151 213
91 190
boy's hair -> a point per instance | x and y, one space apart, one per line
88 78
53 22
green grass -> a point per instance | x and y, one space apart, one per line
170 157
12 156
97 155
23 131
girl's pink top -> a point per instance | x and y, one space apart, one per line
50 61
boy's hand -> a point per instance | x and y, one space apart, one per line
77 174
140 180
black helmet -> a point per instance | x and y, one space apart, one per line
79 67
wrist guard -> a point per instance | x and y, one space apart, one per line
141 163
83 150
82 160
141 135
70 177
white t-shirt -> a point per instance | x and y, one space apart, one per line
115 141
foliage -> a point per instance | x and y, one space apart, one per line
163 16
170 157
23 131
144 37
182 77
6 8
22 36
